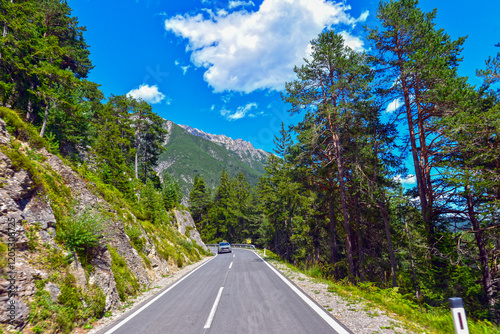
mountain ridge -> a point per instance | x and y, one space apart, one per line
192 151
239 146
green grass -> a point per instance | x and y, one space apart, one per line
126 282
73 307
431 320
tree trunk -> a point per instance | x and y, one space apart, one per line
361 258
333 234
42 131
483 255
4 33
412 262
137 146
385 216
411 130
343 200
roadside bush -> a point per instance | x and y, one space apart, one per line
81 232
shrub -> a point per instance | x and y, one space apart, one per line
81 231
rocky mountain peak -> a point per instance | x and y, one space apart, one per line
245 150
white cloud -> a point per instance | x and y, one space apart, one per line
234 4
246 51
409 180
240 112
148 93
394 105
351 41
185 69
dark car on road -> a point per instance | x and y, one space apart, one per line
224 247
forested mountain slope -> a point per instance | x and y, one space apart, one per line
190 151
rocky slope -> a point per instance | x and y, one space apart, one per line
30 181
243 149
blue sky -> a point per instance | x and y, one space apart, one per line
220 65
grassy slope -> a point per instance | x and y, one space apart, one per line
195 155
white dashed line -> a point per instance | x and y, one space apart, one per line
214 308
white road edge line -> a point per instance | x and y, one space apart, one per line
214 308
230 265
155 299
335 325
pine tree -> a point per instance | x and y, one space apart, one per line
421 64
328 88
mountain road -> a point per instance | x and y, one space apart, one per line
236 292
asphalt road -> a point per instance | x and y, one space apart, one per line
234 292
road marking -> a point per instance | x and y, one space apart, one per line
214 308
321 312
234 255
155 299
230 265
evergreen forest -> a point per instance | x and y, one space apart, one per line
330 198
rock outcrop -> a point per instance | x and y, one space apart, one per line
186 225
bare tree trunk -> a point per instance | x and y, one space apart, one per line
29 111
42 131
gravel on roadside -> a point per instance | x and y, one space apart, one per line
355 315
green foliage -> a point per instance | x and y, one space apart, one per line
3 254
21 130
31 234
126 282
136 237
68 311
81 231
171 192
149 137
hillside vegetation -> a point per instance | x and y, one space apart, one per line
79 241
187 155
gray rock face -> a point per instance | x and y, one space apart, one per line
185 222
53 289
243 149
